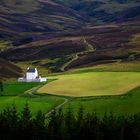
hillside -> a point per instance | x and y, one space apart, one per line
60 34
86 47
28 19
21 18
101 11
8 70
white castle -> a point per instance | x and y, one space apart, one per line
32 76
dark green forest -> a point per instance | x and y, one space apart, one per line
67 126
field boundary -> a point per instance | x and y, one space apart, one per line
33 90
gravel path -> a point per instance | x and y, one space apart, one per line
90 48
57 107
33 90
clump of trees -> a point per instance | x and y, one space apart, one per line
66 126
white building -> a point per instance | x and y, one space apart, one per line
31 73
32 76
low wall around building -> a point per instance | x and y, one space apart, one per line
32 80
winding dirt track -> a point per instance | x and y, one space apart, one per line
34 89
57 107
90 48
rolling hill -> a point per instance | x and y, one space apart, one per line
61 34
105 10
25 19
9 70
86 47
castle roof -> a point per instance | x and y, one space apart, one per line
32 70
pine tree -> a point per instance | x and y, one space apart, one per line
39 129
26 122
52 126
79 123
14 120
26 114
70 124
60 125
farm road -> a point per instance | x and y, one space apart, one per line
90 48
56 108
34 89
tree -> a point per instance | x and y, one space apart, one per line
26 122
38 126
26 115
1 87
70 123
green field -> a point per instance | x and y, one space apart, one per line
101 88
92 84
111 67
93 90
44 103
17 94
126 104
16 88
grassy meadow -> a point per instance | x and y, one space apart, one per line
126 104
100 92
43 103
117 92
17 93
92 84
110 67
16 88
